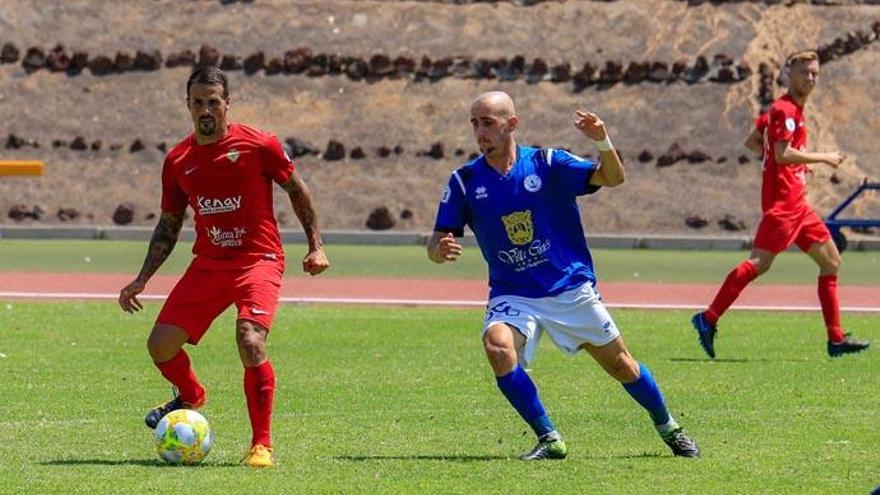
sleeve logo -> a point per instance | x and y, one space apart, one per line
447 192
790 125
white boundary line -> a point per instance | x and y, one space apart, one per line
415 302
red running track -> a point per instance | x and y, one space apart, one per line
20 285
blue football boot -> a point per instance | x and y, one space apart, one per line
706 332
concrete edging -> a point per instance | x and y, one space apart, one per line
394 238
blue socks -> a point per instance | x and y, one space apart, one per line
520 391
523 396
647 394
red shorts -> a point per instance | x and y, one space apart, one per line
777 232
202 294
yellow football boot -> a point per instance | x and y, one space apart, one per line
260 456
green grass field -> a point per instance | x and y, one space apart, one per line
402 401
859 268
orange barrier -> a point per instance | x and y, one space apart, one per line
21 167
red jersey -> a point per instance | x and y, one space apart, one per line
784 186
228 185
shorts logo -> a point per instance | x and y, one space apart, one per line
227 238
255 311
481 193
211 206
532 183
447 192
789 124
502 308
233 155
519 227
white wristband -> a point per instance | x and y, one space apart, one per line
605 144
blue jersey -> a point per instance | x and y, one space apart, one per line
527 222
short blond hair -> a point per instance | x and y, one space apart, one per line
801 57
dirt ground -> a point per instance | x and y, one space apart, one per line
714 118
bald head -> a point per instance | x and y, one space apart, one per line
494 120
496 103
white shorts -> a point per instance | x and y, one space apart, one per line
570 319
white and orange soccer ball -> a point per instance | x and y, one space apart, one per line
183 437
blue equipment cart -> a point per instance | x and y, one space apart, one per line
834 224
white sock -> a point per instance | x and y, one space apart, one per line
667 427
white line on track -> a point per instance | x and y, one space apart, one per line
414 302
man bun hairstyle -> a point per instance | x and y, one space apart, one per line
209 76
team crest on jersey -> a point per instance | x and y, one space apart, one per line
790 125
532 183
519 227
233 155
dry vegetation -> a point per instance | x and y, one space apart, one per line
414 113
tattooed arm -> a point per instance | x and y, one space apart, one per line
315 261
161 244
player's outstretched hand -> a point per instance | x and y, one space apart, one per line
128 300
448 248
315 262
835 158
590 125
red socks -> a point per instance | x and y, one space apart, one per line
736 281
743 274
179 372
830 306
259 388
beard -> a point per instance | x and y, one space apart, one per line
207 127
803 88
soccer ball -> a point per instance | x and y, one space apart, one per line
183 437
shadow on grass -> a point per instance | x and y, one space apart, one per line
710 360
643 455
472 458
453 458
737 360
132 462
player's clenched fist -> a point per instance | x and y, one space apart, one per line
835 158
315 262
